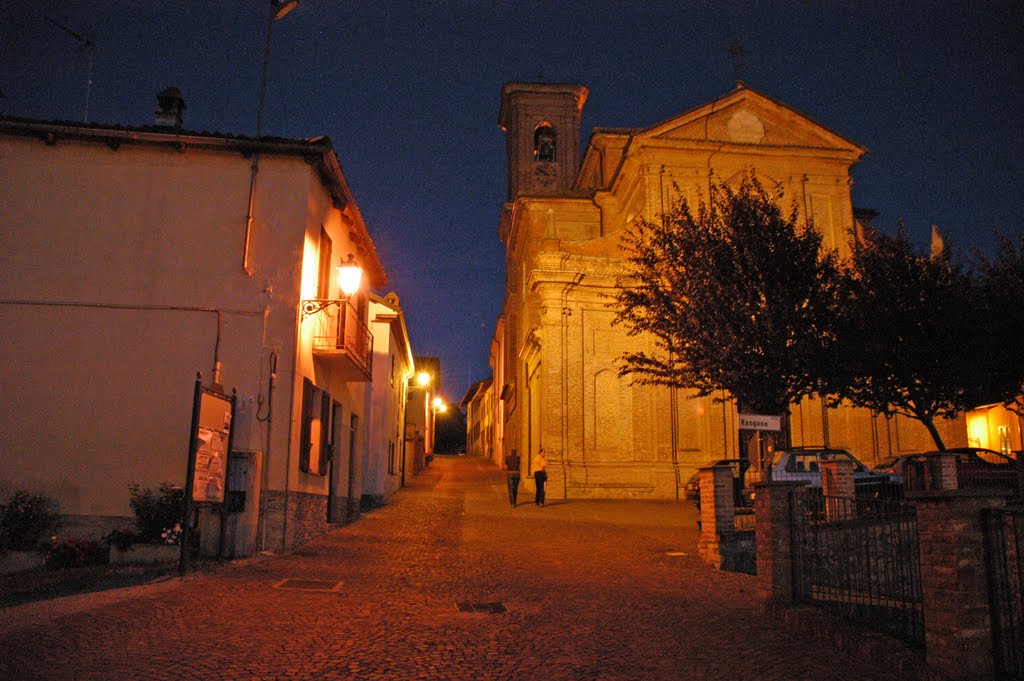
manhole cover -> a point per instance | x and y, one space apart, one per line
308 585
489 608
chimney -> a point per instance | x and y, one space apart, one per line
171 104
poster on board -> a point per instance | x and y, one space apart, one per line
212 437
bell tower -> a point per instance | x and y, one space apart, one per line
542 136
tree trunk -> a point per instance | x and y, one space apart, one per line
929 423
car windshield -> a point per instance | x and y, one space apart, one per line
886 463
810 461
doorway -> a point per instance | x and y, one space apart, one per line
334 513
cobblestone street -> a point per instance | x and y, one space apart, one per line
589 588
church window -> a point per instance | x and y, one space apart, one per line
544 143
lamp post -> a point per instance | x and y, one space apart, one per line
278 8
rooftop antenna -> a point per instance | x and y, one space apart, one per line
739 54
87 46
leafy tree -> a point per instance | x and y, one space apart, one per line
906 333
1000 363
738 296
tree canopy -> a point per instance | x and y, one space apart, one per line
1000 362
906 334
737 295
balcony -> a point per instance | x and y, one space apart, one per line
340 337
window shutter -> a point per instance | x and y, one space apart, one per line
305 442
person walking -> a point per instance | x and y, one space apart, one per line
512 473
540 476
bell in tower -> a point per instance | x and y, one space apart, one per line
542 136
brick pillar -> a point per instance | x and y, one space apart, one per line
943 472
717 512
773 503
837 484
957 624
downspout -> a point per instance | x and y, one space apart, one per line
291 426
269 420
216 356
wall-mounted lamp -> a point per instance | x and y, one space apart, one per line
350 276
423 378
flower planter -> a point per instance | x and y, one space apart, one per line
17 561
145 554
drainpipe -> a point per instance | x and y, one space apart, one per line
291 424
265 473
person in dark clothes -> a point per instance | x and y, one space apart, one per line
512 473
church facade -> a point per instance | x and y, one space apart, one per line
555 351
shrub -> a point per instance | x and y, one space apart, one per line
121 539
26 519
156 511
74 552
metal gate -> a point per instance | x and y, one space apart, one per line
859 556
1004 561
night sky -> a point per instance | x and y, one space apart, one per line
409 92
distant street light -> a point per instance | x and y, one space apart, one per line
277 10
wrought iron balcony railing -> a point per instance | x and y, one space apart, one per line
340 337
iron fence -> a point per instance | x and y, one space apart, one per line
860 556
1004 563
744 519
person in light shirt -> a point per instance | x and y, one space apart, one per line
540 476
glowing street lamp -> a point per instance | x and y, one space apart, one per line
350 276
423 378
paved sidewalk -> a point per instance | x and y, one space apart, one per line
589 589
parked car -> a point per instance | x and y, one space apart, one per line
739 468
805 463
987 455
976 468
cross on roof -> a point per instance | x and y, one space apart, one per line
738 53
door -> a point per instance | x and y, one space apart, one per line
333 512
353 492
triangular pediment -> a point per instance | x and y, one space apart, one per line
747 117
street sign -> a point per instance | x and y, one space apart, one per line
760 422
